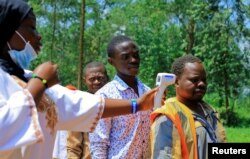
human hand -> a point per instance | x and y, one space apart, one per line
47 71
163 97
146 101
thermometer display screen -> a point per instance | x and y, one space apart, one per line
168 77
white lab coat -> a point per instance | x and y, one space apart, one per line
23 131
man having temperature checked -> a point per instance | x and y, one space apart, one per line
185 124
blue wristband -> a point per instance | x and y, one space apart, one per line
134 106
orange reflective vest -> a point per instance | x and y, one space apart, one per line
184 145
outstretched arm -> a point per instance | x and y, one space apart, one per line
81 111
115 107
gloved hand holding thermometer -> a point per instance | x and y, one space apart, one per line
162 80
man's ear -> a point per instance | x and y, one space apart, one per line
110 61
177 82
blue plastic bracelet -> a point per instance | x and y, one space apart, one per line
134 106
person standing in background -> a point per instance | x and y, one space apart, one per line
95 76
125 136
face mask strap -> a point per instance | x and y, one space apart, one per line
20 36
9 45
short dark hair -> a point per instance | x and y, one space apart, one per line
179 64
115 41
94 64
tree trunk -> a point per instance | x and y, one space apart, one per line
190 36
81 46
226 91
53 30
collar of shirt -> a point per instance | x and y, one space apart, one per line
122 86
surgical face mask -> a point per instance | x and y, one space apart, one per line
23 57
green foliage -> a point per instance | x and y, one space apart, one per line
216 31
231 118
240 135
239 113
58 23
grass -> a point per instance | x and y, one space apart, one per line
240 135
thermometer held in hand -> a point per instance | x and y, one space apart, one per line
162 80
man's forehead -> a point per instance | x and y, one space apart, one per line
98 68
94 74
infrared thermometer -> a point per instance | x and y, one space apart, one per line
162 80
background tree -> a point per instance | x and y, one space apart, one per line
81 48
